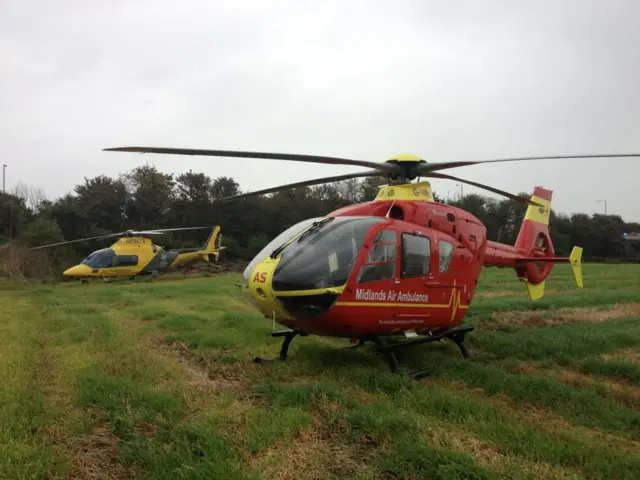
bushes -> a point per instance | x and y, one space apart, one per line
16 260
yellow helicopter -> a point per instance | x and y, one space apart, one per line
135 254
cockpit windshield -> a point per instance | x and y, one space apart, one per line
100 258
281 239
323 256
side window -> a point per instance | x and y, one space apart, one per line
416 255
126 261
446 253
381 263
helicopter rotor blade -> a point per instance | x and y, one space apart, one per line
307 183
159 231
432 167
265 155
78 240
517 198
120 234
144 232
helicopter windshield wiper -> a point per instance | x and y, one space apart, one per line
277 251
314 227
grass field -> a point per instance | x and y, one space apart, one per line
133 379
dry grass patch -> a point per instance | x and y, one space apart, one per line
632 354
528 414
95 457
561 316
312 455
446 437
201 381
202 371
561 428
628 395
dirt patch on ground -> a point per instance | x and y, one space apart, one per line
487 455
630 354
549 422
442 437
561 316
313 454
628 395
95 457
202 371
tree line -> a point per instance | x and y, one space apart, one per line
146 198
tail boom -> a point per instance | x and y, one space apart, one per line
533 256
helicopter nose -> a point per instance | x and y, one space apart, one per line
76 271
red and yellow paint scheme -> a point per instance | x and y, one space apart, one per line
401 264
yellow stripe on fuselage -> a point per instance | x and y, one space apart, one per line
385 304
539 214
455 303
305 293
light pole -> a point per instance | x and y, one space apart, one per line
461 193
605 205
4 190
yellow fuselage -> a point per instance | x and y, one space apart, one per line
132 256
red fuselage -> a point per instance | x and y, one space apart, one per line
384 268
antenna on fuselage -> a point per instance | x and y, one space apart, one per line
390 208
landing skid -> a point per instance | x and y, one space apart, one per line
456 335
284 350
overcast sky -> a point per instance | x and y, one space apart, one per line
447 80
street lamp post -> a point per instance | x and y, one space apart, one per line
4 190
605 205
461 193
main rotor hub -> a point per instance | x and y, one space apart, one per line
420 192
405 158
407 167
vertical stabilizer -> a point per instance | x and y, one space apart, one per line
211 250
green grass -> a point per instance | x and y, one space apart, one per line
155 380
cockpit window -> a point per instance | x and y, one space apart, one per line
381 262
324 255
100 259
281 239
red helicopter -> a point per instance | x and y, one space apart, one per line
401 265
